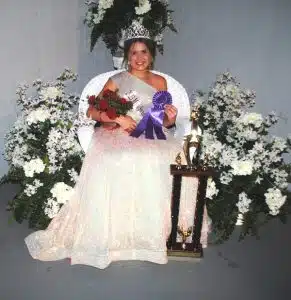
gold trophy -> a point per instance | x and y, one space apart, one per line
184 234
191 144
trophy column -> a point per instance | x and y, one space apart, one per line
193 249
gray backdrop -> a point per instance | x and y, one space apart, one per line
250 38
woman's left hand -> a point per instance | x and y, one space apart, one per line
170 115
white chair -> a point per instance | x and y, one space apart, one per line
180 100
95 85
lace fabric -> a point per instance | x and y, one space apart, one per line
121 206
120 209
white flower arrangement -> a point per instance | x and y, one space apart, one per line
42 150
109 19
252 176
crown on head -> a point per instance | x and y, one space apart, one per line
135 31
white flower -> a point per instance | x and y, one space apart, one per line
243 203
62 192
61 143
228 155
279 143
105 4
159 39
34 166
143 8
73 175
274 200
50 92
97 18
252 118
88 17
271 119
226 178
31 189
52 208
231 90
38 115
258 180
249 135
198 101
242 167
18 155
280 177
211 147
211 188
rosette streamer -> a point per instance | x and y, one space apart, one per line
152 121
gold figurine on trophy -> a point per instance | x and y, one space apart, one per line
184 233
191 144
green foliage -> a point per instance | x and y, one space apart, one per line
120 16
233 135
43 134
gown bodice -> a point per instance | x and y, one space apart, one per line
134 89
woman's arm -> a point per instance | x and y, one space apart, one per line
170 110
125 122
96 114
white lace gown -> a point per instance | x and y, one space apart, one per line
120 209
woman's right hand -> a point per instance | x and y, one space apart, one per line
127 123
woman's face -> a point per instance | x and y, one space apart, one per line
139 57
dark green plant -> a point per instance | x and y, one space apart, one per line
120 15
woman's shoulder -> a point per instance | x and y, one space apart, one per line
118 78
159 81
118 75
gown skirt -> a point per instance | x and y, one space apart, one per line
120 208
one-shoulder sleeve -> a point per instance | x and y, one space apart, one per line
118 79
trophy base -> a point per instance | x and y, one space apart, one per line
188 251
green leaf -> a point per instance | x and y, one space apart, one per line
4 179
172 27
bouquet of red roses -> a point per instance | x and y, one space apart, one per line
111 103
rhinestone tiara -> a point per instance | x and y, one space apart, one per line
135 31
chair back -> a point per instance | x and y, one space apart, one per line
95 85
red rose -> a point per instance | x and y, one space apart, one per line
107 93
103 105
111 113
123 100
92 99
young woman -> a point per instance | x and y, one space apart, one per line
121 204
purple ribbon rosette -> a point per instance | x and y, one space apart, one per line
152 121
